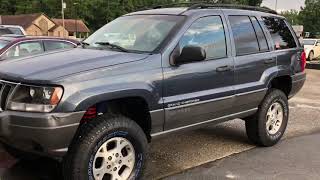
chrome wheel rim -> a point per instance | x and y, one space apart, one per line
274 118
115 159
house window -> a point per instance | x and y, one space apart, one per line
59 33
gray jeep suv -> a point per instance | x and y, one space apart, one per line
146 74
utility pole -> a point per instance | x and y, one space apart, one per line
63 6
276 6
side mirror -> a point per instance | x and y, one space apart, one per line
190 54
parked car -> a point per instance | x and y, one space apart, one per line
15 46
97 107
4 31
15 29
312 48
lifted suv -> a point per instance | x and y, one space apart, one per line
147 74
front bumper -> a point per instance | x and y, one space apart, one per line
46 134
298 81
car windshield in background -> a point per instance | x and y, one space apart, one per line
139 33
3 43
309 42
4 31
16 30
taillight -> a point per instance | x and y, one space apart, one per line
303 60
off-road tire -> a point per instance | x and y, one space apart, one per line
256 124
78 163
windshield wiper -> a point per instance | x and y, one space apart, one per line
112 46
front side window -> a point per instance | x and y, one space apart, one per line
280 33
244 35
207 32
56 45
142 33
24 49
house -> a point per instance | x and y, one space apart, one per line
76 28
41 25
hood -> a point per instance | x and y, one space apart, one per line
55 65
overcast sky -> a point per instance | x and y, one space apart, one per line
284 4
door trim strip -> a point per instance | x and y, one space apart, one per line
200 123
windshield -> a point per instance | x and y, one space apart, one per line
309 42
142 33
3 43
15 30
5 31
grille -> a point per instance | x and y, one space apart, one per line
6 90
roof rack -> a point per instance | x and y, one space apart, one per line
232 6
208 5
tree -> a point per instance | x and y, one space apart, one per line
309 15
293 17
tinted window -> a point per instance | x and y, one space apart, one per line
207 32
24 49
55 45
244 35
280 33
309 42
263 45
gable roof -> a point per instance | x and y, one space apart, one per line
24 20
72 25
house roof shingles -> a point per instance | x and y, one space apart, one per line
73 25
24 20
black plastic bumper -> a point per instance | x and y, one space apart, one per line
47 134
297 83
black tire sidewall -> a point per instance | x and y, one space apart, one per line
138 148
79 161
267 138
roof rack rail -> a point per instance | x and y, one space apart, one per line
232 6
207 5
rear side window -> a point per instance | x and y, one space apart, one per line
263 44
244 35
280 33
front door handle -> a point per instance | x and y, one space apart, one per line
269 61
224 68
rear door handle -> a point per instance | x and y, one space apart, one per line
269 61
224 68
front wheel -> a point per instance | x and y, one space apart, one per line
108 148
268 125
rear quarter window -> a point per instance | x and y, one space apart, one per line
280 33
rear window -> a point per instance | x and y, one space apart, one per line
3 43
280 33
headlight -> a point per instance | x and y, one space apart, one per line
35 98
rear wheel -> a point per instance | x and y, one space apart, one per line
268 125
112 147
311 56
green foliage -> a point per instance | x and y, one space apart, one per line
293 17
95 13
309 16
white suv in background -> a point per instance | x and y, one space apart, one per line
312 48
15 29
